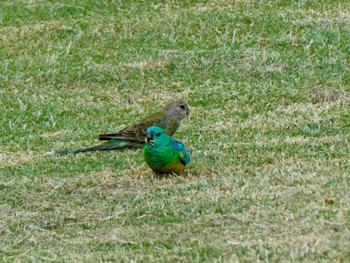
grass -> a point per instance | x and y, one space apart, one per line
268 86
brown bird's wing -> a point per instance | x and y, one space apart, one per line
137 131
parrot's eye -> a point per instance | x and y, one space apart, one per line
182 106
158 134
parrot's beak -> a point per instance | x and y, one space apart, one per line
149 139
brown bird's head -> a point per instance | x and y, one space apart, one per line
178 110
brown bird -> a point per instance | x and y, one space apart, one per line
134 135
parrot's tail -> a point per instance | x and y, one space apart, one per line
111 145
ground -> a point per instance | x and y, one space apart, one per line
268 87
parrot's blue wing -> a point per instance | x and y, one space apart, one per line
183 154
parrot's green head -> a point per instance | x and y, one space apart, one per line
156 136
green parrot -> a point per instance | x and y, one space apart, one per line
163 153
134 135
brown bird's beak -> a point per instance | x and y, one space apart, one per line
149 139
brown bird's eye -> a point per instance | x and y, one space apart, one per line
158 134
182 106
